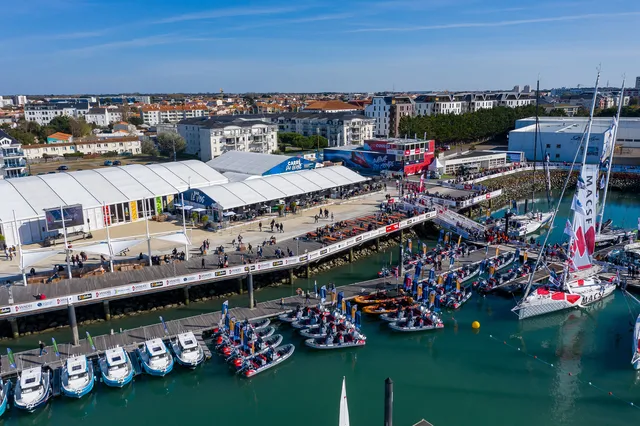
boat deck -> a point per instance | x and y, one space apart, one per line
132 339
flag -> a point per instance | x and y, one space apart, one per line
421 183
315 288
225 307
486 249
488 213
602 182
164 325
459 239
424 249
12 360
55 347
547 157
580 183
497 251
409 245
577 207
568 229
90 339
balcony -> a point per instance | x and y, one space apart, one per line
12 165
12 153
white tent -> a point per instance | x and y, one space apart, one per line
103 247
32 258
178 237
436 165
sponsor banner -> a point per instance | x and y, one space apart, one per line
24 307
393 227
84 296
291 261
358 239
220 273
103 293
350 242
173 281
47 303
277 263
118 291
156 284
5 310
303 258
135 288
263 265
236 270
190 278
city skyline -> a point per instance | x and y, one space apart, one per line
350 46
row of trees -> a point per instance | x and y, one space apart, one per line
486 123
299 141
467 127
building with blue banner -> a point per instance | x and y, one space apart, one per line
239 164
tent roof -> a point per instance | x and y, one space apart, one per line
275 187
236 177
251 163
29 196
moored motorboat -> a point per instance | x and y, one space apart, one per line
426 321
116 368
255 324
267 360
235 341
255 348
77 377
5 388
339 341
156 359
33 389
402 313
187 350
370 299
387 307
321 330
315 319
456 300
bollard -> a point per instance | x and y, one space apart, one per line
186 295
73 323
388 402
107 311
14 327
240 290
351 255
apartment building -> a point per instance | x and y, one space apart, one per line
19 100
156 114
101 146
514 99
472 102
45 112
209 137
103 116
387 111
340 129
12 157
439 103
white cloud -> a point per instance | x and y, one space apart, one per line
225 13
495 24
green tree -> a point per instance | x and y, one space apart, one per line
61 123
557 113
135 120
149 148
23 137
167 142
79 127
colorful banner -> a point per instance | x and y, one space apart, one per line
159 207
133 210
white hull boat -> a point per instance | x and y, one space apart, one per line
77 377
156 359
116 368
33 389
188 351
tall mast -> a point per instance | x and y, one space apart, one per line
613 147
555 213
535 147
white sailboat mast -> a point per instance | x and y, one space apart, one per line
613 147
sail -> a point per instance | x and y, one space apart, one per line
584 219
344 408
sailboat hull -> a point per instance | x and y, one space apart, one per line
635 348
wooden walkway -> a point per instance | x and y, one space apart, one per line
134 338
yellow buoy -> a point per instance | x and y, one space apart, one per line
475 325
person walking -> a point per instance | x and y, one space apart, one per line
203 263
42 348
260 226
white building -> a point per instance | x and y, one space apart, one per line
380 111
120 145
340 129
473 161
44 113
19 100
103 116
473 102
153 115
5 102
209 137
514 99
12 159
435 104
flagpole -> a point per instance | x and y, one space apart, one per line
108 242
66 243
17 236
613 147
147 209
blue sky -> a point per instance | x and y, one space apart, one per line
113 46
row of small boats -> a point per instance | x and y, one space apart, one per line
250 348
33 387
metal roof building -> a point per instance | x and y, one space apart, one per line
255 164
107 195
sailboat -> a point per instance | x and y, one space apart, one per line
344 407
579 285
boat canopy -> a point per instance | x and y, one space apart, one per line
77 365
115 357
187 340
31 378
155 347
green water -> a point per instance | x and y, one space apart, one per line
454 376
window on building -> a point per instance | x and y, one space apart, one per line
557 156
548 145
558 146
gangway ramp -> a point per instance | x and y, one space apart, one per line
458 223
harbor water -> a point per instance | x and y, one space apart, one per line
508 372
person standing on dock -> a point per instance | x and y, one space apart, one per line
42 348
203 263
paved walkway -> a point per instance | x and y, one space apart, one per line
294 225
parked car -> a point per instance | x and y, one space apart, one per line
63 167
108 163
117 163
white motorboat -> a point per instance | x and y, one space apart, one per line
116 368
33 389
156 359
5 387
77 377
188 351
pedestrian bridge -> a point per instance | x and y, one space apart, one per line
458 223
